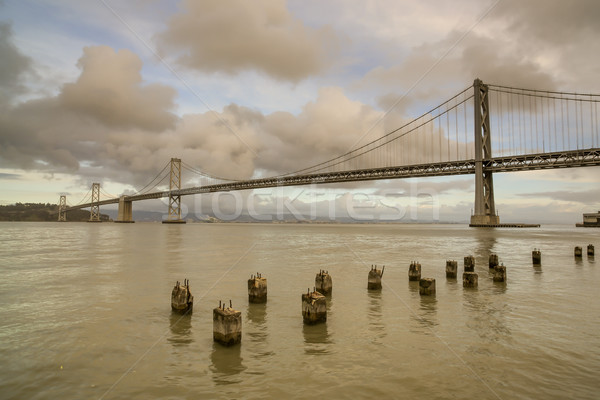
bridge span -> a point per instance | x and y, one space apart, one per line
536 130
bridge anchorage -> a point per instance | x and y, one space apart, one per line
533 130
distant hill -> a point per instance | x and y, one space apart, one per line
41 212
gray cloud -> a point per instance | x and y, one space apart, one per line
110 90
13 65
553 22
6 176
233 36
585 196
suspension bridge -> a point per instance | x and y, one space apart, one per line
532 130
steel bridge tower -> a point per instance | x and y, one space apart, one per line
95 203
485 209
62 205
174 216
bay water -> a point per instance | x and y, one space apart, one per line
85 313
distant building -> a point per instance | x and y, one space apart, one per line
590 220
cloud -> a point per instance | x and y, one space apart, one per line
233 36
110 90
490 59
106 124
8 176
13 65
552 22
107 100
584 196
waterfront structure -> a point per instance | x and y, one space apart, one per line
590 220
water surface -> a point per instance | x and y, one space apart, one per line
85 313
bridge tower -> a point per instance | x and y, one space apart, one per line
95 203
485 209
62 205
174 216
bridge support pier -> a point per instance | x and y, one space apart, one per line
125 211
174 216
485 209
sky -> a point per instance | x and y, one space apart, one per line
107 91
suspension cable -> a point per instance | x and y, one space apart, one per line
155 178
378 139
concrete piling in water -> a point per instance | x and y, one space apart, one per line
375 275
493 260
470 279
323 282
451 269
182 301
257 289
414 271
314 307
590 250
227 325
578 252
500 273
536 257
427 287
469 264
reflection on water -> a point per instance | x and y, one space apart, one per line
488 319
226 364
413 287
427 314
486 242
256 331
174 238
257 313
181 329
376 325
591 259
316 339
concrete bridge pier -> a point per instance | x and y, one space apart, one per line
125 211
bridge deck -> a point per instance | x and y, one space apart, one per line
564 159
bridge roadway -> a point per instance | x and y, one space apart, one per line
564 159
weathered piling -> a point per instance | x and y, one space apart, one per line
469 264
493 260
227 325
182 300
314 307
427 287
578 252
536 257
590 250
470 279
257 289
375 275
500 273
414 271
451 269
323 282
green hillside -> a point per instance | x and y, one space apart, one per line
41 212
